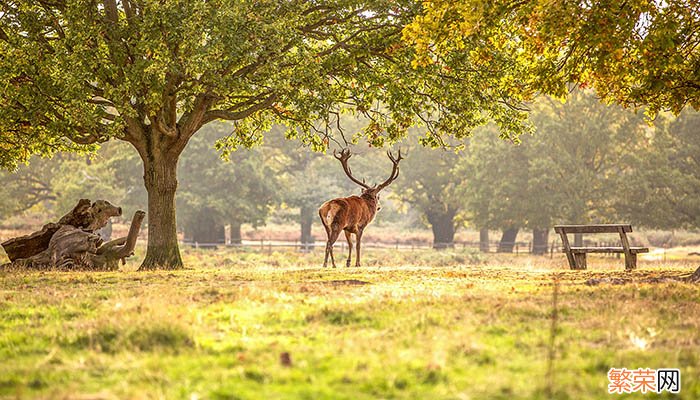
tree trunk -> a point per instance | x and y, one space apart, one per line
204 229
235 232
484 240
160 179
508 240
540 239
306 218
443 226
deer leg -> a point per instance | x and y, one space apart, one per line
335 232
349 238
328 234
325 258
329 252
357 251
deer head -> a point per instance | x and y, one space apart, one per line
367 190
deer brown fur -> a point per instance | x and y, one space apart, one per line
352 214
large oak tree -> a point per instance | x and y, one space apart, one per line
152 73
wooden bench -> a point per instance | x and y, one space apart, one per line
577 255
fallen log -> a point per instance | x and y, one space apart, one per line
85 215
30 245
77 246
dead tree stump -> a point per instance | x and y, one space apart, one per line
695 276
73 243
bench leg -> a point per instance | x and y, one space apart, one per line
571 260
631 261
579 261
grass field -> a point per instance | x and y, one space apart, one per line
418 325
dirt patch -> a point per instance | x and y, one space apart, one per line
611 281
344 282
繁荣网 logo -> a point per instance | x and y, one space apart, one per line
644 380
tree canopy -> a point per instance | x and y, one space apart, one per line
633 52
81 72
27 187
666 184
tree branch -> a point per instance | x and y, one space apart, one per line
3 35
100 102
134 133
111 10
128 10
162 127
231 114
191 121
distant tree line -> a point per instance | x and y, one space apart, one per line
587 162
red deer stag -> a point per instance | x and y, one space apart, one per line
352 214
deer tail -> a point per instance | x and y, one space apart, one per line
327 212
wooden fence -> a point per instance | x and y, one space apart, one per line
521 247
269 245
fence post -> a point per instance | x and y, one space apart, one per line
551 250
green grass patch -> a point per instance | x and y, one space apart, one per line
249 325
112 338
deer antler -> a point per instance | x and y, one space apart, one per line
343 158
394 171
